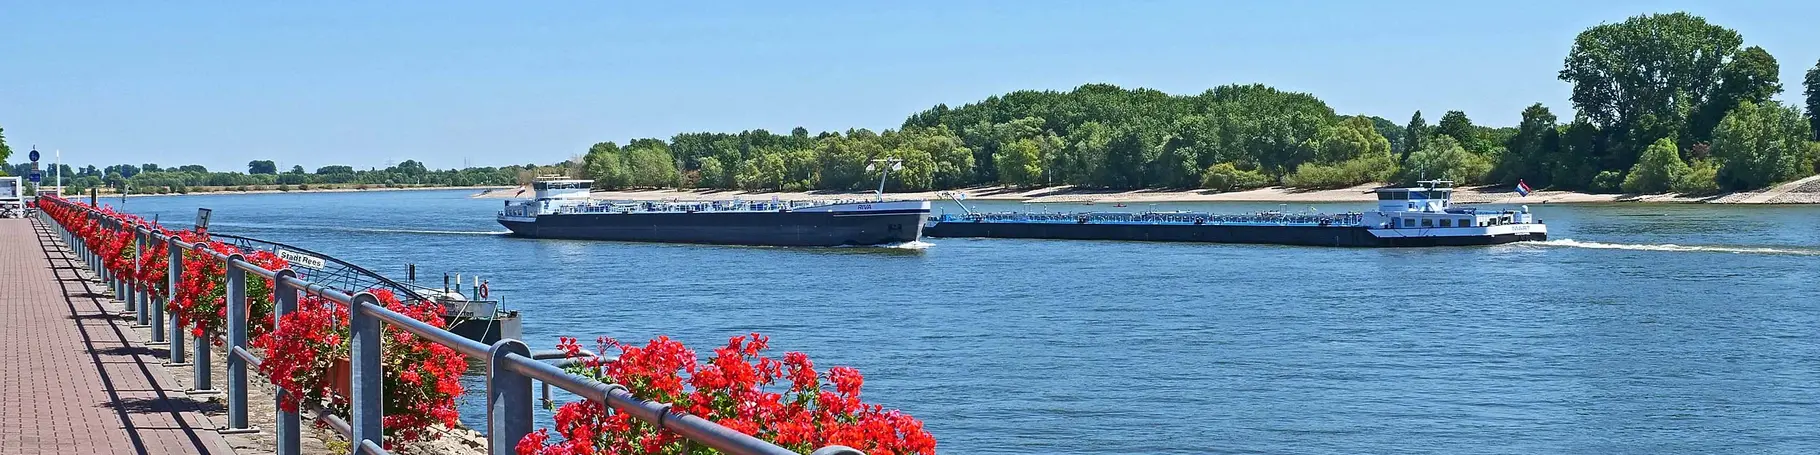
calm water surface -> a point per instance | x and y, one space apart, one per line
1641 329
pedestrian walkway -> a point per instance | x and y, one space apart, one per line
73 377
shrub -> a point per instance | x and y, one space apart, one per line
1226 177
1607 182
1353 172
1658 168
1701 179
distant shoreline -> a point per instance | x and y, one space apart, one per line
312 190
1806 191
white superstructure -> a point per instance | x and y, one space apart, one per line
1428 211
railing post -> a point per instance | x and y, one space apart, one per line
158 306
289 442
508 399
123 285
88 256
200 357
172 277
367 405
113 282
138 289
236 334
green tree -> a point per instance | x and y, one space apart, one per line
1642 79
1413 134
713 174
1443 158
951 161
336 169
606 165
1529 154
261 167
1392 132
1657 170
1761 144
1020 163
1751 76
1082 155
842 158
410 168
1455 124
1812 92
5 151
650 165
295 169
1350 138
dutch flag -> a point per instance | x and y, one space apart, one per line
1522 188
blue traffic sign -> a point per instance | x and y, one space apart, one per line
36 176
34 155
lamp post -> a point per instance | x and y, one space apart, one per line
888 165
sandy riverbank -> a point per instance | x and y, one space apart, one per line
1806 191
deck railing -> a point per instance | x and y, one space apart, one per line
510 366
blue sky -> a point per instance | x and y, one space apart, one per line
364 84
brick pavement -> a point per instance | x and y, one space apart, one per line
73 377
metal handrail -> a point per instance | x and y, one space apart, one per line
510 364
395 285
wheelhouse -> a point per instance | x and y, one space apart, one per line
561 188
1435 196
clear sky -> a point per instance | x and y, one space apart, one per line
364 84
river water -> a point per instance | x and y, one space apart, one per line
1661 329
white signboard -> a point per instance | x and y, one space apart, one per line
10 187
301 260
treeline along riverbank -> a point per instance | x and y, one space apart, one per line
1662 103
1665 102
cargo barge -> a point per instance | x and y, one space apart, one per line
1406 217
562 209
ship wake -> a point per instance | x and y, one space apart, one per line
911 245
1571 243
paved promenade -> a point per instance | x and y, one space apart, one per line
74 378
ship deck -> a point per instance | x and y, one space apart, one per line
1158 218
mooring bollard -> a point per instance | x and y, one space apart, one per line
366 405
236 334
508 399
285 297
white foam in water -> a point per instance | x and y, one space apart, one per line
912 245
1677 248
